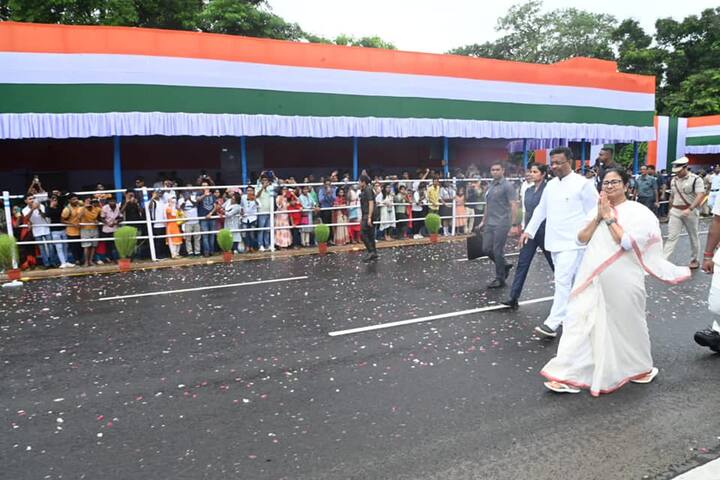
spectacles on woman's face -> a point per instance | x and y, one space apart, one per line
614 183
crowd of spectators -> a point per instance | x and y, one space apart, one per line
185 216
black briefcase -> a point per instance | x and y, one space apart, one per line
475 246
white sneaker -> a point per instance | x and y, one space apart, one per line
70 265
417 236
63 265
99 262
262 249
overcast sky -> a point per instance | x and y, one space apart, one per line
438 26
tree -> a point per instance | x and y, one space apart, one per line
250 18
698 94
532 36
370 42
176 14
691 57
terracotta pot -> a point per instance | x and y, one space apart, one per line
322 248
433 238
227 257
124 264
14 274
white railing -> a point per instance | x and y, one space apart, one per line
149 223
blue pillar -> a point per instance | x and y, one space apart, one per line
636 163
446 157
525 154
356 165
243 159
582 155
117 168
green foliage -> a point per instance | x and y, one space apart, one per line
225 240
369 42
684 56
252 18
699 94
529 35
125 241
432 222
8 251
322 233
174 14
626 154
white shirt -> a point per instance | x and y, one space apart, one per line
38 222
564 204
523 188
188 207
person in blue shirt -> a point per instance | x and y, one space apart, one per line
206 208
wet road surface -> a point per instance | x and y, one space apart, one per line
245 382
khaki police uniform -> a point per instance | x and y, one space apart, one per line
684 191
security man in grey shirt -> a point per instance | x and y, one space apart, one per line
500 213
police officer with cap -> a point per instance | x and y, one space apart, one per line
687 192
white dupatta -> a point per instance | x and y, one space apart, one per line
642 236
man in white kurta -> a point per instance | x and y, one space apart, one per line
565 204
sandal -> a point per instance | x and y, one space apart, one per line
558 387
647 378
694 265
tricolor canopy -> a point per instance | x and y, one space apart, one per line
62 81
678 136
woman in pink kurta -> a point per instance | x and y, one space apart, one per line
283 238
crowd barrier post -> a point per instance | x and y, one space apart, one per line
452 232
148 224
8 212
272 224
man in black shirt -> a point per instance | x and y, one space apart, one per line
368 215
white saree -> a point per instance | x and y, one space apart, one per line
605 342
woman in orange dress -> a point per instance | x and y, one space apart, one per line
173 228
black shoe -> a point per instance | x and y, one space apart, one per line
370 257
546 331
496 284
512 303
708 338
508 267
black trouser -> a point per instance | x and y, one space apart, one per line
326 216
527 253
367 235
161 248
419 220
75 248
402 225
649 202
494 238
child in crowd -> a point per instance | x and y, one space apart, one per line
250 206
460 214
295 209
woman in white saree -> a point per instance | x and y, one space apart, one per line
605 343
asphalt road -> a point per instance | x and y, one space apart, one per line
246 383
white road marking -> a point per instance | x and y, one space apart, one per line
709 471
433 317
485 258
197 289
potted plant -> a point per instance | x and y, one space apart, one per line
225 242
322 234
432 223
125 244
8 257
